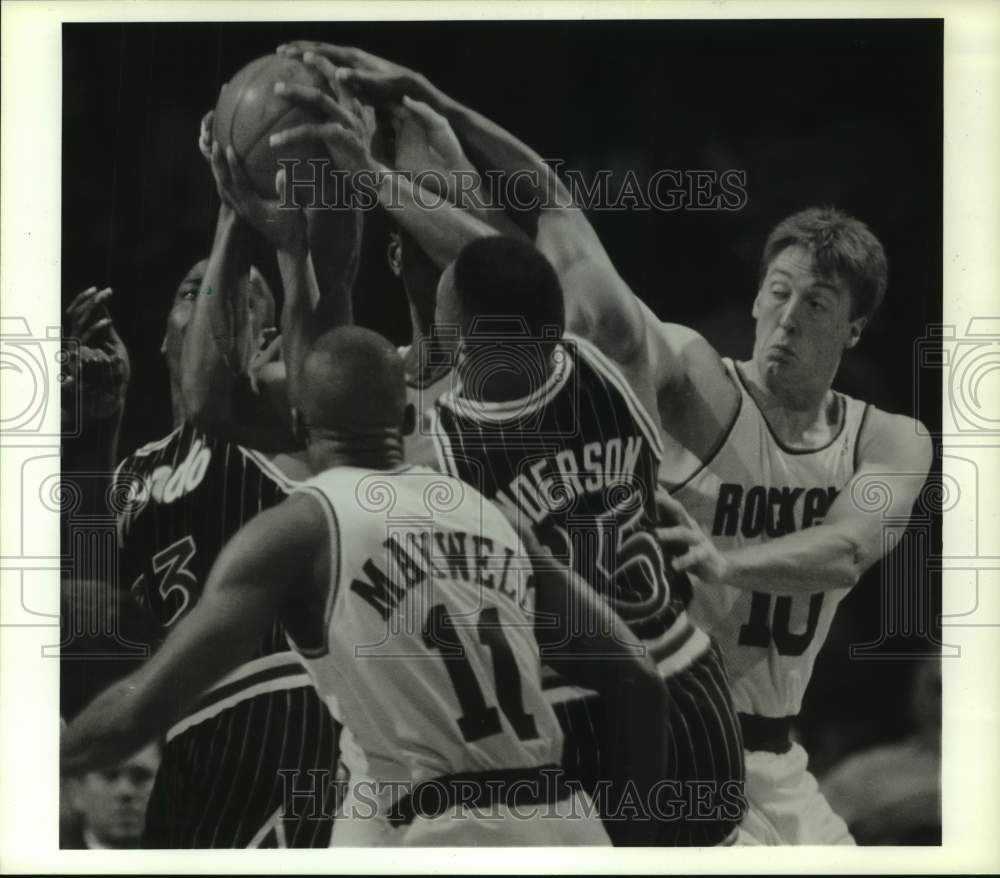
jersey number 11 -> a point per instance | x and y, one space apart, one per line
478 719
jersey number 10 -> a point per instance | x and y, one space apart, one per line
478 719
760 629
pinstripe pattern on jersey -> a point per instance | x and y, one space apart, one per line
597 405
704 747
218 786
611 372
218 782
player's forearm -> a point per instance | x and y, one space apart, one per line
334 238
299 319
110 729
495 149
440 229
216 339
821 558
637 746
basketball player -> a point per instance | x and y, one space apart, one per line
399 591
231 763
773 510
576 416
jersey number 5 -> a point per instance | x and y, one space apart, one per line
760 629
478 719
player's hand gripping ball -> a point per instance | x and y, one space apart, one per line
248 112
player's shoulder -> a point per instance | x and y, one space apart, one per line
887 436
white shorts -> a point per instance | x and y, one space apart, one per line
573 821
785 805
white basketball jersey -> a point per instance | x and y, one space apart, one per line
755 489
430 658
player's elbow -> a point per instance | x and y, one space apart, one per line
852 558
617 332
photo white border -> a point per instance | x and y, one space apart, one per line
30 285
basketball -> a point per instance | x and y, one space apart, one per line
248 112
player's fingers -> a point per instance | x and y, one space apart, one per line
370 85
90 308
429 118
322 64
220 170
673 508
678 534
689 559
315 99
308 132
205 136
87 337
236 172
297 48
280 186
344 55
79 300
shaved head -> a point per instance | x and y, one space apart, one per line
353 380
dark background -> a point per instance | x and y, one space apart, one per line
816 112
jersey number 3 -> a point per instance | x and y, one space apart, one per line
478 719
171 564
760 629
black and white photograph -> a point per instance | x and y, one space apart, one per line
495 432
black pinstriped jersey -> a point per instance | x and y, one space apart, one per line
223 781
184 497
578 458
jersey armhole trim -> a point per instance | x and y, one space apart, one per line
269 468
333 528
719 445
857 437
788 449
510 410
442 443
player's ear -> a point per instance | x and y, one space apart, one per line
394 253
854 331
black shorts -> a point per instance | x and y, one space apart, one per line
242 778
701 800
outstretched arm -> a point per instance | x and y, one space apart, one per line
893 464
439 227
218 395
253 578
600 305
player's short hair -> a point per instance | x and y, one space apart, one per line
499 276
841 246
353 380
